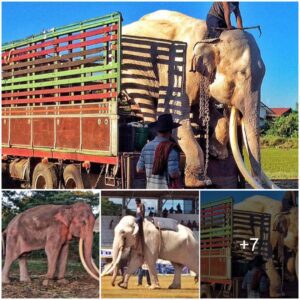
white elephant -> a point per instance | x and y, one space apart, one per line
232 66
284 232
179 247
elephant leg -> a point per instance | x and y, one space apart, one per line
23 270
176 284
135 262
9 259
194 169
275 281
153 277
62 263
52 252
219 140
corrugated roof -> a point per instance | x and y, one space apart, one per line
279 111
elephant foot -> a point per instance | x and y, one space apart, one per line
25 279
175 286
123 285
62 281
154 286
194 179
5 280
46 282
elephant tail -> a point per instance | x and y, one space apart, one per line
4 234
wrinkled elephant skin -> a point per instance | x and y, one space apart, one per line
48 227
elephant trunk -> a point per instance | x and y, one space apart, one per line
252 132
118 246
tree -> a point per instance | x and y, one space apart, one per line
285 126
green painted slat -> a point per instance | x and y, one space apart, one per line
213 230
114 17
61 74
59 82
215 203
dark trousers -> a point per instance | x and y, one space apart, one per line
143 273
212 23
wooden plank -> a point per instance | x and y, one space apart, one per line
60 82
60 99
61 58
62 48
94 87
63 40
60 65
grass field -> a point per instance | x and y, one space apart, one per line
189 289
279 163
80 285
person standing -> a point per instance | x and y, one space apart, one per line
160 157
256 281
143 271
219 17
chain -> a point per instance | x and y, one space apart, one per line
204 115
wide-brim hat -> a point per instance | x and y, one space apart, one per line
164 123
258 261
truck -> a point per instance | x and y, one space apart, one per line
64 121
224 258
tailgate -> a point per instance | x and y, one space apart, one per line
216 238
60 91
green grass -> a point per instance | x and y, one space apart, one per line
279 163
269 141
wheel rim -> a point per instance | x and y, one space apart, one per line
70 183
40 182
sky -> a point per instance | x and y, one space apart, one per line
238 196
278 20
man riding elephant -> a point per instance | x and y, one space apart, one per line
158 52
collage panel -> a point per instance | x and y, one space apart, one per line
50 244
249 244
150 244
88 97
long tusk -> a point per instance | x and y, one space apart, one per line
264 177
114 264
236 151
83 261
95 266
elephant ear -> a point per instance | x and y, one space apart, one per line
281 224
64 216
205 57
135 229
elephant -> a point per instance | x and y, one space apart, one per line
226 71
49 227
283 235
179 247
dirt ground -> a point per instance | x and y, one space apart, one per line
80 285
189 289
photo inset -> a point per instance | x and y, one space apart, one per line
149 244
50 244
249 244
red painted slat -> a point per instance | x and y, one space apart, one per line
63 48
62 90
58 155
63 40
62 99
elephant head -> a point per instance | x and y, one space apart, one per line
125 238
286 225
235 64
80 221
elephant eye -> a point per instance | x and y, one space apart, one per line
83 222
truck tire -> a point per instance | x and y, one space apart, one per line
72 178
44 177
205 291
